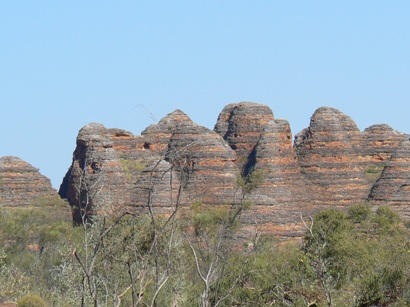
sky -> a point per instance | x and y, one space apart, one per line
126 64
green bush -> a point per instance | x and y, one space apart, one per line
359 213
35 242
131 167
386 219
31 300
328 227
358 258
373 172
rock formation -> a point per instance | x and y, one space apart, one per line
339 161
22 185
241 126
327 154
111 168
283 195
393 186
177 162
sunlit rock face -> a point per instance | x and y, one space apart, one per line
23 185
326 151
241 125
113 169
264 144
341 162
380 142
177 162
393 186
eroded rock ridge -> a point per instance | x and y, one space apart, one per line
23 185
176 162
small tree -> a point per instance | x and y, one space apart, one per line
325 237
212 240
114 245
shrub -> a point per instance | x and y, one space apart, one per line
31 300
386 218
359 213
373 172
131 167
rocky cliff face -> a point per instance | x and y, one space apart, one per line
241 126
329 155
342 163
96 178
393 186
173 162
22 185
177 162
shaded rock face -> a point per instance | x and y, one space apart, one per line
177 162
96 175
198 161
23 185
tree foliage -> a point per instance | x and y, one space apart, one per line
357 257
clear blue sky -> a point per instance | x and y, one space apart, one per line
67 63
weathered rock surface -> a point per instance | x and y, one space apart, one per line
177 162
264 144
283 194
339 161
112 169
380 142
205 161
275 156
326 151
199 161
23 185
393 186
241 126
